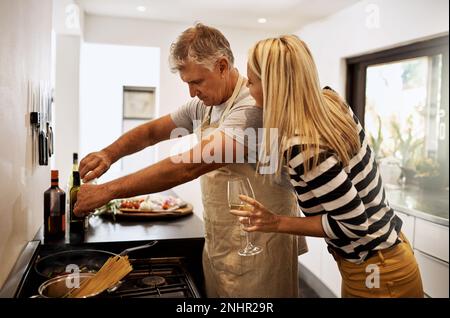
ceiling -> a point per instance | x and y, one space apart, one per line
281 15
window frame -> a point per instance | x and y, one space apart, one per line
357 73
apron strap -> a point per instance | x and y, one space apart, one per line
233 97
207 118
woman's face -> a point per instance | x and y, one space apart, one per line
255 87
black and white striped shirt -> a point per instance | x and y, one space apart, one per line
356 215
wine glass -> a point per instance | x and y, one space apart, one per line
235 188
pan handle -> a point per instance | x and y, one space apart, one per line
132 249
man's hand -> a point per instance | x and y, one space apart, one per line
94 165
91 197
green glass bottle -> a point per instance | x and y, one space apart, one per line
76 224
74 168
69 184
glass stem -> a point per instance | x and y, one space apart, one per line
247 236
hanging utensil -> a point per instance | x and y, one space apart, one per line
49 124
43 147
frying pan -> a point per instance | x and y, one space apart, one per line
87 261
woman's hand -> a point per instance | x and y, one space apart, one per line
259 219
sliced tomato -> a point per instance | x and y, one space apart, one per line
165 205
131 204
135 204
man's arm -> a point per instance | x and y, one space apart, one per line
161 176
141 137
132 141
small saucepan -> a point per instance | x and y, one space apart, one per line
61 286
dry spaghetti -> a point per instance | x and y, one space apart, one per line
115 268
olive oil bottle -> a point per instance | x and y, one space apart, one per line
76 224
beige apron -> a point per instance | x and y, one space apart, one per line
273 272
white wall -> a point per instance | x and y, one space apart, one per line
105 69
67 27
173 92
66 101
25 56
345 35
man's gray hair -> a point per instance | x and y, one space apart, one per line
202 45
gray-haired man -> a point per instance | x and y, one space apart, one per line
221 101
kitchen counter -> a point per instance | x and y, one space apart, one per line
428 205
103 230
115 234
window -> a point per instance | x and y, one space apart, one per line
138 102
401 97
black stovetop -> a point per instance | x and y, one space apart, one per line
170 269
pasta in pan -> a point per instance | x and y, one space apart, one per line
114 269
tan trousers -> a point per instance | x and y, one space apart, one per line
391 273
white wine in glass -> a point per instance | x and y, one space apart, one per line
237 187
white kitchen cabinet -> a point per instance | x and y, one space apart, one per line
429 240
434 274
432 239
313 258
330 274
408 226
319 262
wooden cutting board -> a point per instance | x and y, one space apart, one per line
152 214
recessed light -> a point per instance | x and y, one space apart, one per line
262 20
141 8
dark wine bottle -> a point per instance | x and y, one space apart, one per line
54 210
76 224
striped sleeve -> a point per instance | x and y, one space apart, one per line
331 187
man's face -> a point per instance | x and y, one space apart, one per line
208 86
255 87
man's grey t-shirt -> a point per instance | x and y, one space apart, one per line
243 114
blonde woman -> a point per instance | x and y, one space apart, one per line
333 171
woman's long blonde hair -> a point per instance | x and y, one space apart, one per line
295 104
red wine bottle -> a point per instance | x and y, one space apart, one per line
54 210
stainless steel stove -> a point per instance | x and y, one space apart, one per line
157 278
